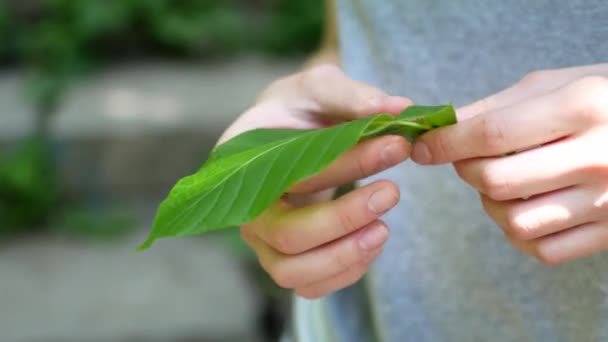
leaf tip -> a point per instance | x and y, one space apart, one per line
147 244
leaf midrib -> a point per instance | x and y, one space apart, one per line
236 169
265 150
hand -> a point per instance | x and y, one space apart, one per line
306 241
551 198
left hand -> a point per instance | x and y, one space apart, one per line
551 198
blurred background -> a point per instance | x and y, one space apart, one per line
104 105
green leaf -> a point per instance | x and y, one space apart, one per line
248 173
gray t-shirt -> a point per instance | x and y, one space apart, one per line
447 273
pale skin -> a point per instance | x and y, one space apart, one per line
551 201
315 245
307 241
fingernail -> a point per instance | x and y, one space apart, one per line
421 153
382 200
391 154
373 237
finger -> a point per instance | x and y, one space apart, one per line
568 245
324 262
345 279
301 229
546 214
326 90
363 160
523 125
532 85
528 173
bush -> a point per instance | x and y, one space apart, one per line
28 191
54 40
57 40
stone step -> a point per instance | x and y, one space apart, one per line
147 97
54 289
139 127
126 135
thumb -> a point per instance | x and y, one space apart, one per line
326 90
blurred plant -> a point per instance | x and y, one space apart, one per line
4 24
28 190
293 26
54 41
93 223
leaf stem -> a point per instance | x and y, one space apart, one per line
412 124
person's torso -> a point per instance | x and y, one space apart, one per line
447 273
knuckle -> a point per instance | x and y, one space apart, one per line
484 105
486 203
276 85
533 77
461 168
546 255
346 221
594 169
321 73
591 94
363 165
281 275
593 84
246 234
522 229
440 147
494 185
492 133
344 259
284 242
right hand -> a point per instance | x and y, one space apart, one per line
306 241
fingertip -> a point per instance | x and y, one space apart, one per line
396 104
384 104
390 191
394 150
371 105
421 153
373 236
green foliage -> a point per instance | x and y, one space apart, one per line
295 26
64 35
245 175
194 26
93 222
4 32
57 40
28 187
30 197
